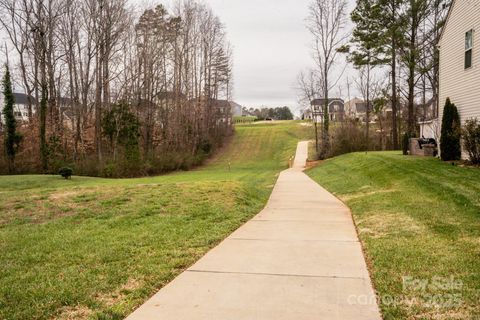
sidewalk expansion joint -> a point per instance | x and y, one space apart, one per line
292 240
273 220
276 274
303 208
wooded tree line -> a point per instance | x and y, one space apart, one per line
392 39
279 113
107 88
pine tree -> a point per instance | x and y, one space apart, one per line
392 22
451 132
12 138
365 51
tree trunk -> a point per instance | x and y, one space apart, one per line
394 96
368 108
326 125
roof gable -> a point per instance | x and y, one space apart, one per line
22 98
321 101
450 10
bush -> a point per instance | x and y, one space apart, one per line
66 172
451 132
405 143
471 139
110 170
349 137
206 147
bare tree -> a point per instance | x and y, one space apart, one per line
309 84
327 21
15 18
84 61
370 86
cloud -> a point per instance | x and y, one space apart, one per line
271 46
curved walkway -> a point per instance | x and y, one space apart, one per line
299 258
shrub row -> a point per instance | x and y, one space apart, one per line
453 133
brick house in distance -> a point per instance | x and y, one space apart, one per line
460 60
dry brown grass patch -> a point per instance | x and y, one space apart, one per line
63 195
111 299
381 224
359 195
74 313
442 314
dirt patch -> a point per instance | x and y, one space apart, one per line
305 124
385 224
41 208
313 164
439 314
74 313
146 185
471 240
110 299
467 164
63 195
365 194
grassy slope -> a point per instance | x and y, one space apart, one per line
98 248
417 217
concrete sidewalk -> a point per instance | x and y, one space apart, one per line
299 258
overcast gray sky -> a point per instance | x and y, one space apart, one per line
271 45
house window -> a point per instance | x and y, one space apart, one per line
468 49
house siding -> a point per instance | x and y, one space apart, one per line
461 85
20 110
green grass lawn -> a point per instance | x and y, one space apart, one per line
418 218
98 248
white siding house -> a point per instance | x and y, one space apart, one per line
20 109
460 59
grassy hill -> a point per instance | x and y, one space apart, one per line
97 248
419 221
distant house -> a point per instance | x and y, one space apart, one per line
427 119
222 109
357 109
351 107
427 111
237 110
307 114
460 60
20 109
336 108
